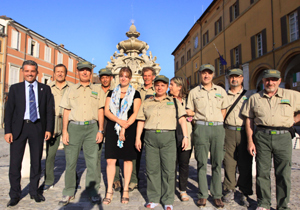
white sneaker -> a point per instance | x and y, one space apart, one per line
261 208
168 207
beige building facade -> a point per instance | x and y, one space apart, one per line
253 35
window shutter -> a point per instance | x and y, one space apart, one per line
220 24
50 54
29 46
298 11
37 50
14 38
19 41
207 37
216 30
237 8
204 40
46 52
230 13
231 57
216 66
264 41
253 48
284 38
240 54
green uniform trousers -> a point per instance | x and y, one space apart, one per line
236 154
82 136
51 149
209 138
278 146
160 151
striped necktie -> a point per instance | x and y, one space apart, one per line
32 104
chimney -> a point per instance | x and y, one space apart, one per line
62 45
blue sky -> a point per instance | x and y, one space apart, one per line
93 28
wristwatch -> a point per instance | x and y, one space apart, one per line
185 137
101 132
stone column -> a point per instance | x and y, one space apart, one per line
246 75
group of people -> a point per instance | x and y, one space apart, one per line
211 121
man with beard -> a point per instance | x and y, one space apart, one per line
272 111
207 103
58 88
236 141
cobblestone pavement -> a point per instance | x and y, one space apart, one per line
138 198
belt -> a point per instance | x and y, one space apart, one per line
29 121
234 128
159 131
200 122
83 122
272 132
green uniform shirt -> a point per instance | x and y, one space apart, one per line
235 118
207 104
160 114
84 102
277 111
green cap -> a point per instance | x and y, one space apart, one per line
236 72
207 66
271 73
84 64
161 78
105 71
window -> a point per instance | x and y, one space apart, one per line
176 66
59 58
0 46
205 38
234 11
14 73
2 29
46 79
33 48
47 54
70 67
189 83
293 26
16 40
259 44
218 26
236 56
188 54
182 60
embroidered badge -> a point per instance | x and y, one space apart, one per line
219 95
170 103
245 98
94 93
285 101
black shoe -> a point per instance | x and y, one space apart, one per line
38 198
13 202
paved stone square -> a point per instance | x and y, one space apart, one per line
138 198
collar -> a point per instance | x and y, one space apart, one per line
143 87
230 93
279 93
169 98
213 86
78 85
52 84
34 83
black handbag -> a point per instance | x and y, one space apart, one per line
178 132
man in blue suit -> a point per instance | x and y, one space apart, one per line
28 116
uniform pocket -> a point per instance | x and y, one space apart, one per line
286 110
218 101
259 112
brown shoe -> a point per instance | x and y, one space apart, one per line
219 204
117 186
201 202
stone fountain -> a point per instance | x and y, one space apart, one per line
133 54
